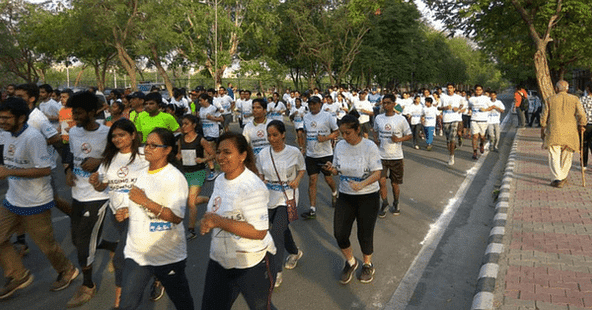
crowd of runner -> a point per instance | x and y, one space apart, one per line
136 164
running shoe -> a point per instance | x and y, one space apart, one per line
441 133
382 212
451 160
310 215
292 260
475 155
156 291
191 234
395 209
212 176
64 279
348 272
82 296
367 274
13 284
416 147
278 280
429 148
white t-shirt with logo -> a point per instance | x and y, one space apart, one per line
210 128
298 116
288 162
366 105
121 176
22 152
245 108
476 104
51 108
386 126
39 121
454 101
494 116
414 111
244 199
321 123
225 102
356 163
274 110
332 109
430 115
151 240
256 135
85 144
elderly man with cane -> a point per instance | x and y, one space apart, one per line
562 117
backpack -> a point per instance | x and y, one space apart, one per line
523 102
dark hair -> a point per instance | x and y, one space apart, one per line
297 99
85 100
478 85
450 84
242 146
278 125
314 99
492 92
168 138
47 88
120 105
111 150
261 102
57 92
31 89
430 100
156 97
68 91
206 97
17 106
350 122
392 97
192 118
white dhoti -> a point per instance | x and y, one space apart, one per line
560 158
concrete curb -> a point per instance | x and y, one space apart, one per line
483 299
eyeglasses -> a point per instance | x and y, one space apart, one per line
153 146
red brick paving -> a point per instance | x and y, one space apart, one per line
534 202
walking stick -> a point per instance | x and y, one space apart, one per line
582 158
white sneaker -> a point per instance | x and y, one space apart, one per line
451 160
292 260
278 280
441 133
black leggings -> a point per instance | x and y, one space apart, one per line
587 143
282 237
87 222
364 210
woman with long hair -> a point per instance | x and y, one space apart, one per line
156 244
194 152
122 163
281 167
237 216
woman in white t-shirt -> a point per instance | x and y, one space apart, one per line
238 218
357 161
287 162
156 244
122 163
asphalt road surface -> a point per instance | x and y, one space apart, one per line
426 258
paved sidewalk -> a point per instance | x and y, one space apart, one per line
547 257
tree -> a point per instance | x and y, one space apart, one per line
544 22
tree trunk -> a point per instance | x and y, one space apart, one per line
158 64
79 76
100 83
128 64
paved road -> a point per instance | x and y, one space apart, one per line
444 281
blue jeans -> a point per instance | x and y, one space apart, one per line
172 277
429 133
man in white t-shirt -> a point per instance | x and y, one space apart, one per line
478 105
210 117
87 143
496 108
319 129
364 107
48 106
391 129
227 104
26 165
450 107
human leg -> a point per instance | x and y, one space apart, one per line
343 219
10 261
256 285
279 219
135 280
175 282
220 290
429 133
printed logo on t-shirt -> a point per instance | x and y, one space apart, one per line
388 127
122 172
11 149
160 226
217 204
86 148
313 124
260 134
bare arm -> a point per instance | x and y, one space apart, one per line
242 229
